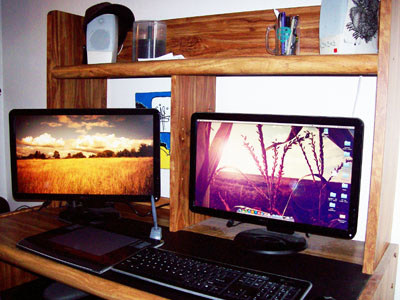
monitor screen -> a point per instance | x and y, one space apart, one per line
85 154
290 173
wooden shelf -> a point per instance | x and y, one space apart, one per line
270 65
238 48
339 249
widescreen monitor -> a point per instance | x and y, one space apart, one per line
289 173
87 155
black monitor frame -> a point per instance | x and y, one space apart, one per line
82 198
273 224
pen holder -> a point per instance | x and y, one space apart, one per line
149 39
287 37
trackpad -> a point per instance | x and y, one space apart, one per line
93 241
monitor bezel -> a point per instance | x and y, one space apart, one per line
279 225
92 198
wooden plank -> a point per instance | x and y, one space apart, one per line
65 41
12 276
382 282
237 34
21 224
189 94
332 248
231 35
98 286
273 65
386 138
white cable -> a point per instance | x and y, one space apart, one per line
122 47
357 96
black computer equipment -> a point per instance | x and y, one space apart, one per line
87 157
289 173
91 158
329 145
210 279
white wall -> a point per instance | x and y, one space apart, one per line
3 190
23 24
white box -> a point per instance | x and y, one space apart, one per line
348 27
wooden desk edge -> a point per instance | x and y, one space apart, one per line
379 286
81 280
382 281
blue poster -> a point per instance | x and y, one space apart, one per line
162 102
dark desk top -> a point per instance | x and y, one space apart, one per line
341 280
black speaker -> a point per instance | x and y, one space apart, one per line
4 207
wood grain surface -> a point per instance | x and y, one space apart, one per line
65 41
232 35
272 65
386 137
189 94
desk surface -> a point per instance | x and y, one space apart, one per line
327 274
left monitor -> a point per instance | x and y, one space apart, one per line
85 155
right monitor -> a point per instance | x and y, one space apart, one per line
289 173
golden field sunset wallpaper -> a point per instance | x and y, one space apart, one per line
85 154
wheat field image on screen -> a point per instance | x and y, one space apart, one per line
85 154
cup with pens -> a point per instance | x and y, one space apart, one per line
287 36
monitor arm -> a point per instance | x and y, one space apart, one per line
155 230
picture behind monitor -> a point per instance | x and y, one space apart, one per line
87 155
289 173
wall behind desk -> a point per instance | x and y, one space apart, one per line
3 190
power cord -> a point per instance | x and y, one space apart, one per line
147 214
44 204
22 207
356 100
231 223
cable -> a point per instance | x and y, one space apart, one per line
357 96
122 47
147 214
22 207
231 223
44 204
162 205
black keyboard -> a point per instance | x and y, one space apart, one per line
210 279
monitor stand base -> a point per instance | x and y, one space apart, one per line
270 242
81 214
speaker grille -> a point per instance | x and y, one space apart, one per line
100 39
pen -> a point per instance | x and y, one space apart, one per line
276 12
282 23
292 38
286 37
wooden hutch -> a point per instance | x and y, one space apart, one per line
234 44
